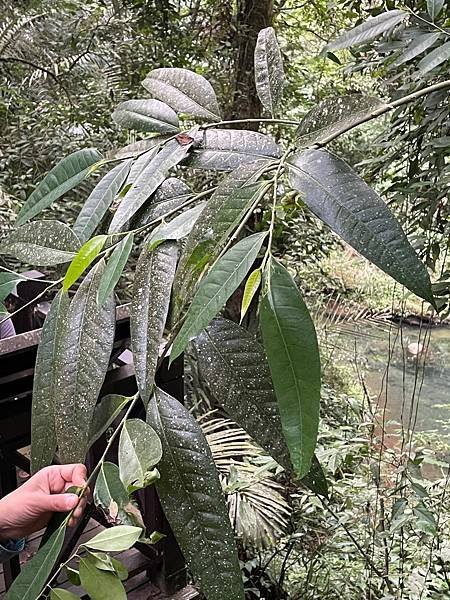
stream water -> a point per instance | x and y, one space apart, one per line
415 391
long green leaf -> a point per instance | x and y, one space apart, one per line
251 287
367 31
149 308
184 91
41 243
114 268
30 582
291 345
146 115
335 193
239 191
68 173
191 496
215 289
147 182
84 359
235 367
100 199
45 384
227 149
333 115
417 45
109 487
85 256
269 73
139 452
434 58
115 539
177 228
137 148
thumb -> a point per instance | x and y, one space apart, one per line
59 502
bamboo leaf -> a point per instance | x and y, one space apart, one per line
291 345
100 584
100 199
139 452
85 256
68 173
216 287
367 31
227 149
251 287
191 496
418 45
149 308
236 194
184 91
176 229
235 367
115 539
148 181
269 73
146 115
333 115
335 193
114 268
45 389
434 58
41 243
31 581
84 359
104 414
171 194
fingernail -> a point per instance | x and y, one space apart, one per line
72 500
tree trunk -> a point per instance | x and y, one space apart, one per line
252 16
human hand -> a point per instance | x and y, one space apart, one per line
30 507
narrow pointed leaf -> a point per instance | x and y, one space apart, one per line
100 584
176 229
236 194
333 115
146 115
418 45
149 308
335 193
434 58
104 414
269 73
139 452
84 359
191 496
216 287
100 199
45 388
137 148
291 346
114 268
251 287
41 243
171 194
109 487
235 367
367 31
227 149
67 174
184 91
30 582
85 256
115 539
148 181
140 164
